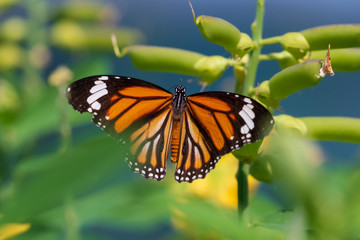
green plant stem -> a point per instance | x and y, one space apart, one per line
271 40
257 27
65 128
37 11
272 56
243 187
71 220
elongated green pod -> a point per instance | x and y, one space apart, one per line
223 33
165 59
344 129
73 36
90 12
293 79
295 43
342 59
338 36
219 31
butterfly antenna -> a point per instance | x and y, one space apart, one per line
172 87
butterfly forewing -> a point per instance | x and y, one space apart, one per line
133 111
217 123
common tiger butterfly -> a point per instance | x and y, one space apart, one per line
198 129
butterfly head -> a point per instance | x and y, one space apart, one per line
179 100
180 89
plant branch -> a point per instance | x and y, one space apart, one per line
257 27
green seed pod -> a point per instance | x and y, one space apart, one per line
90 12
295 78
261 169
211 68
338 36
69 35
13 29
174 60
73 36
219 31
240 74
333 128
264 95
286 59
244 46
290 125
295 43
342 59
11 56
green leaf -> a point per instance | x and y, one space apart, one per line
42 182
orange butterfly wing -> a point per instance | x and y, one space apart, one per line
200 128
214 124
135 112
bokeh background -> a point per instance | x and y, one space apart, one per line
76 186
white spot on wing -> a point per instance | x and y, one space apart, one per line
244 129
92 98
98 82
249 111
97 87
247 119
248 100
104 78
96 105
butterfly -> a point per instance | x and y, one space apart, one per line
195 130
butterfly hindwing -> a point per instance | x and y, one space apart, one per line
133 111
216 123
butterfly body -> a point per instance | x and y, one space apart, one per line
195 130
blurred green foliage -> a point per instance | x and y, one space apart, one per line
73 191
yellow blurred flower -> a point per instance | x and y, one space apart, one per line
10 230
220 185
